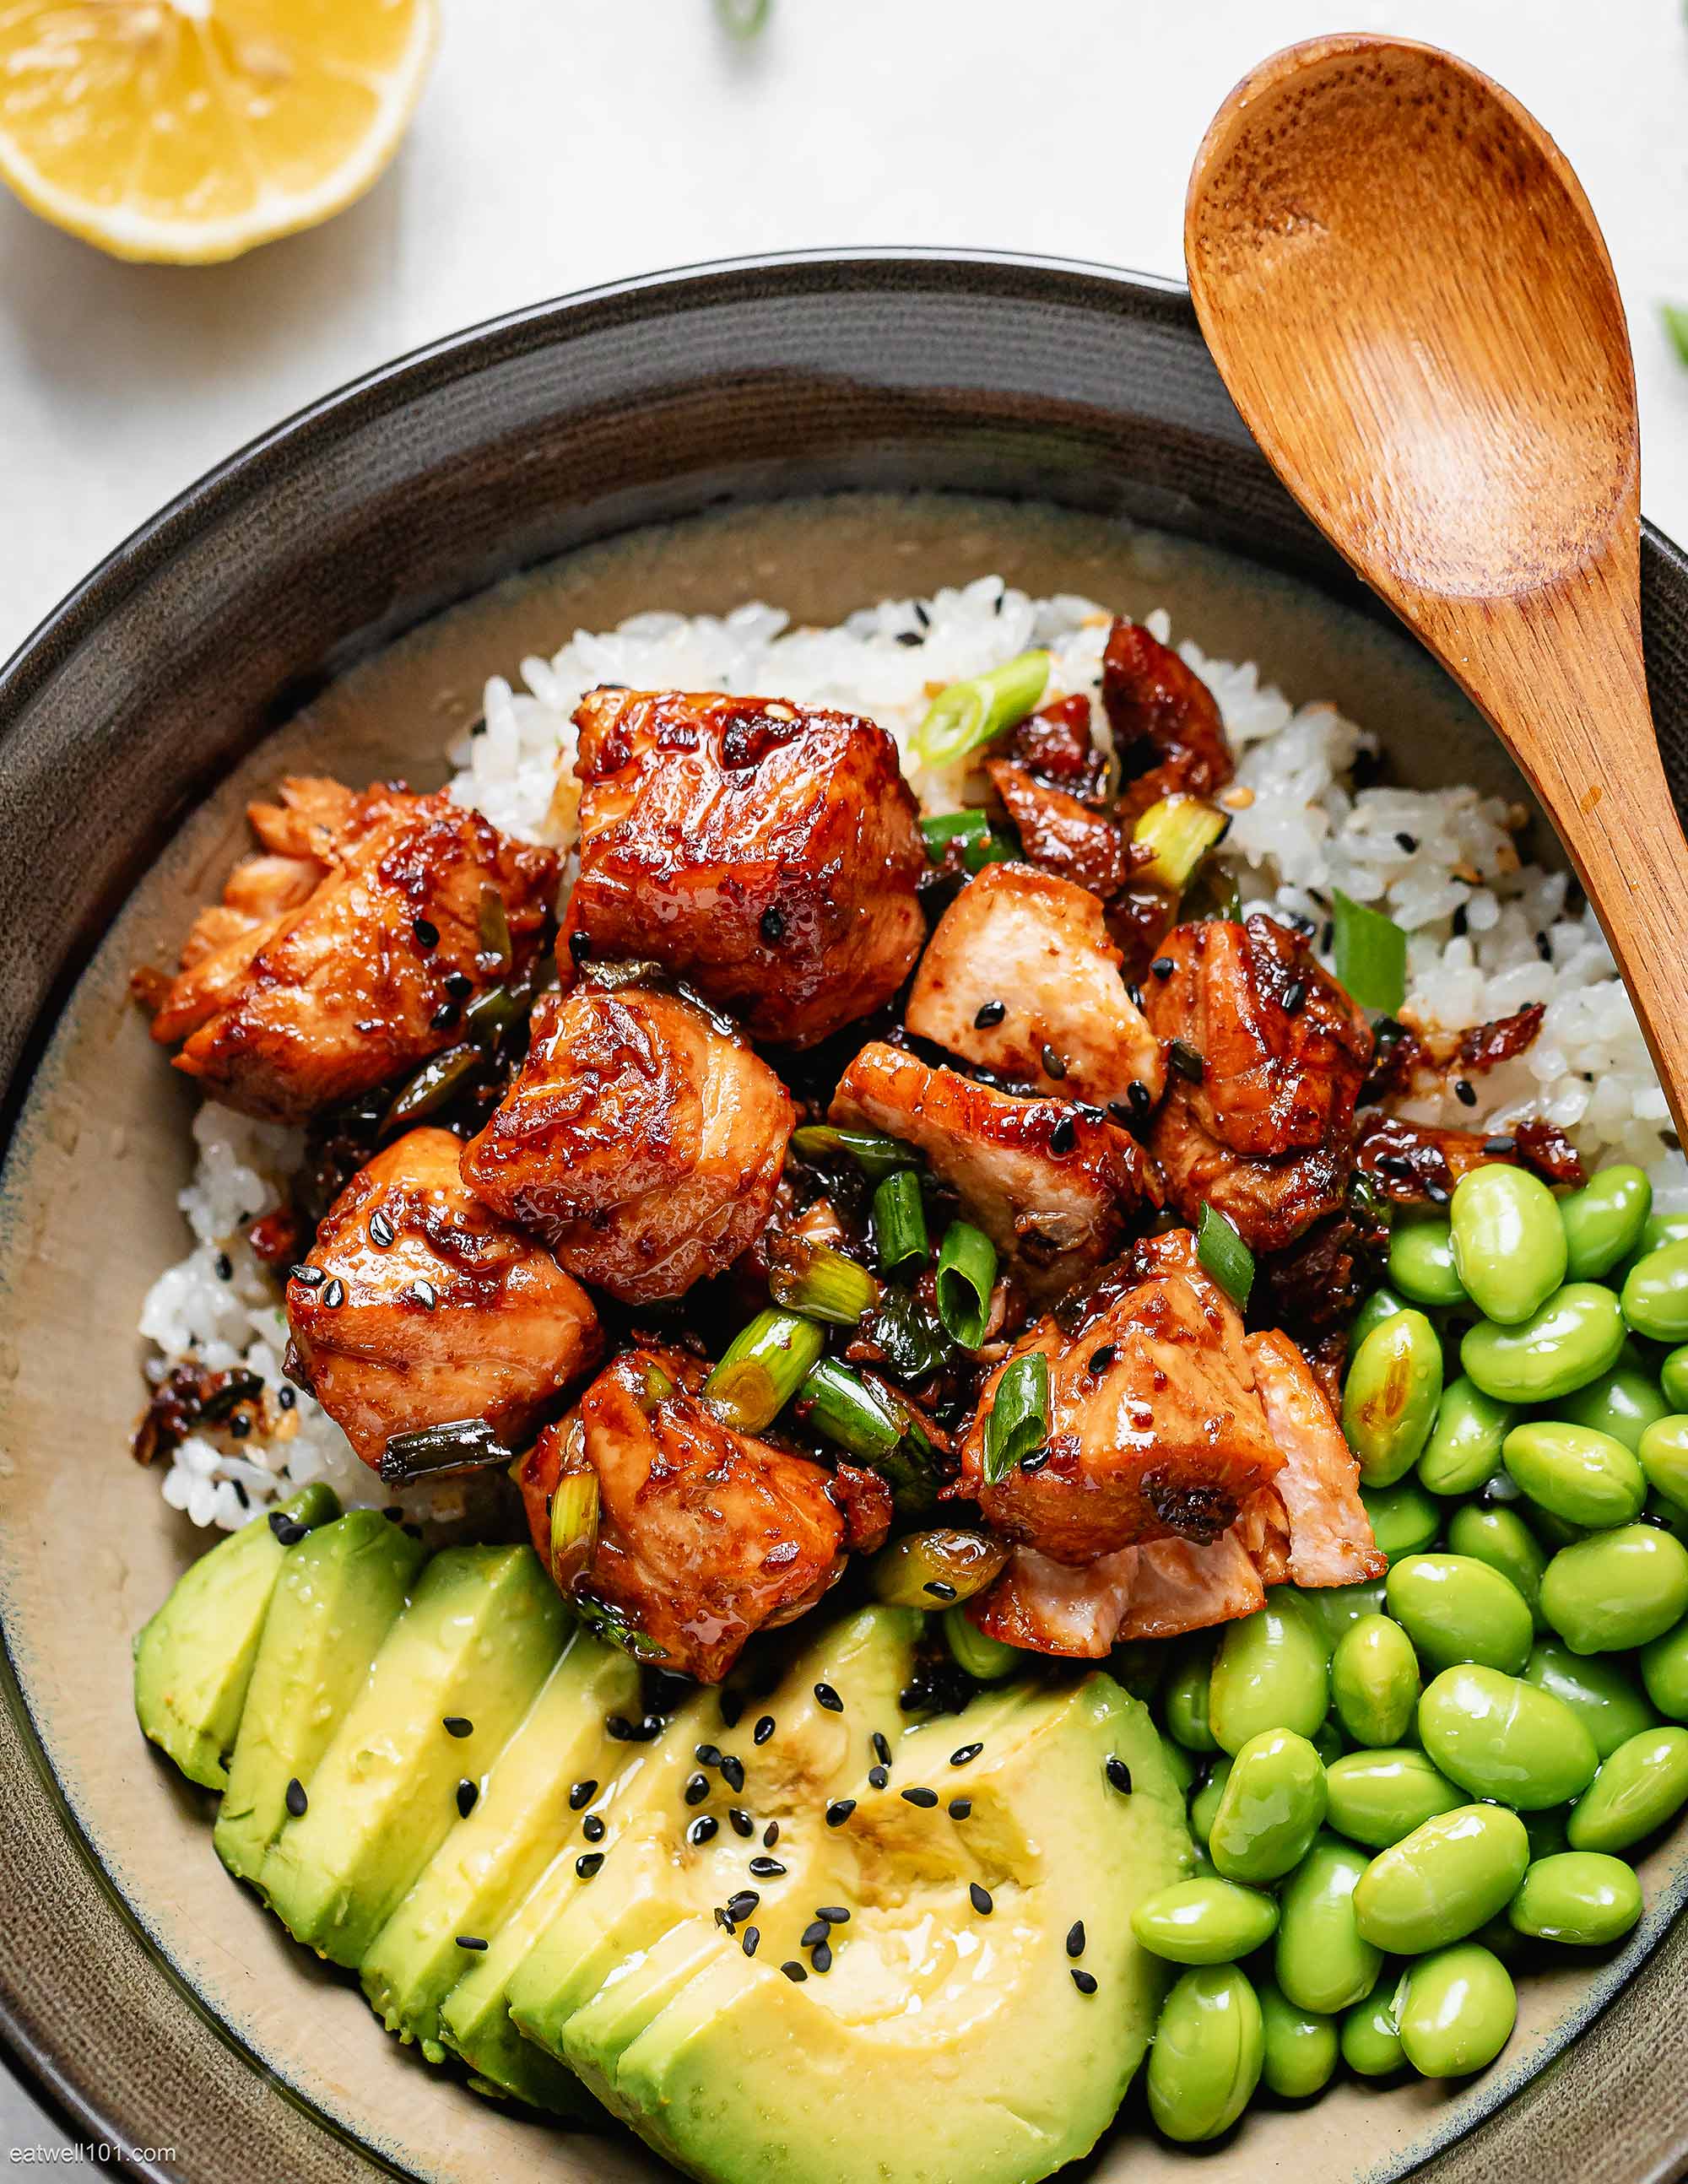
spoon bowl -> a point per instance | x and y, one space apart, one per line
1409 298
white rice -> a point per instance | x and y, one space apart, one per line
1299 828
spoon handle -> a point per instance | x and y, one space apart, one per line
1559 675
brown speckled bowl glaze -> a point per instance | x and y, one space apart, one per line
149 1999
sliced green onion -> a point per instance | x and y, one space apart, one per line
824 1144
936 1570
574 1523
1180 831
763 1367
1019 1415
744 18
658 1387
997 849
1221 1249
981 841
614 1629
967 1274
1370 954
431 1452
987 1659
491 1014
1676 325
432 1087
841 1407
1212 895
492 928
900 1238
912 1342
973 713
817 1280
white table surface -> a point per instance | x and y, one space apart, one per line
567 141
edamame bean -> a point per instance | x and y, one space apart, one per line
1300 2045
1204 1922
1371 2030
1270 1808
1390 1395
1664 1671
1662 1229
1583 1897
1455 1608
1322 1961
1327 1741
1404 1518
1574 1338
1183 1700
1208 2051
1643 1784
1339 1606
1206 1802
1617 1589
1501 1538
1603 1221
1663 1454
1586 1477
1378 1797
1464 1447
1603 1696
1421 1261
1378 1306
1271 1671
1552 1531
1673 1379
1441 1882
1655 1298
1457 2011
1623 1402
1374 1680
1498 1736
1508 1242
1182 1766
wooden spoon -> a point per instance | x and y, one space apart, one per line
1405 292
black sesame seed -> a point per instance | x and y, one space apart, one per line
588 1863
286 1531
1085 1982
307 1276
1184 1057
1438 1193
990 1013
882 1748
748 1940
458 985
225 1267
922 1797
834 1913
458 1724
1139 1097
471 1941
425 1295
980 1898
1408 842
770 1835
766 1869
582 1793
793 1970
1544 947
910 637
285 1398
1118 1774
938 1589
773 926
1500 1145
382 1230
1294 993
1053 1065
425 931
921 615
743 1825
721 1921
696 1789
742 1904
1120 1113
826 1696
702 1829
240 1425
1035 1459
241 1494
1162 967
468 1797
334 1295
1075 1938
1064 1136
1135 992
815 1931
960 1808
878 1777
1101 1359
1465 1093
1396 1164
297 1800
964 1753
839 1811
592 1827
706 1755
763 1730
821 1956
580 946
733 1772
1462 922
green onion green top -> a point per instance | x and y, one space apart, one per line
899 1222
1676 325
1371 955
973 713
1222 1252
875 1155
967 1274
1018 1422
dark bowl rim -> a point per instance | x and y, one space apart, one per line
380 392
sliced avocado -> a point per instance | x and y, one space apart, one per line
964 2018
657 1874
476 1643
193 1661
599 2033
335 1601
489 1860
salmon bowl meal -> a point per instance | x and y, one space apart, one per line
907 1385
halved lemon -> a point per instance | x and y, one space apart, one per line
186 131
